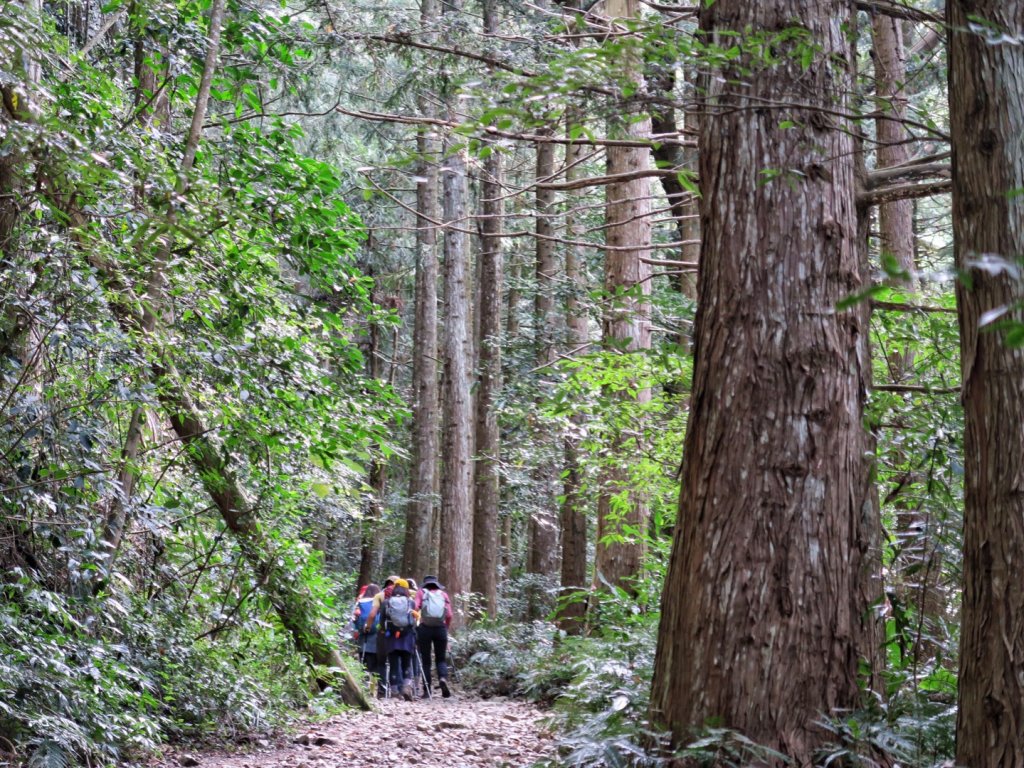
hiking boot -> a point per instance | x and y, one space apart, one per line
407 692
445 690
425 694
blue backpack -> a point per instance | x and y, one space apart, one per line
364 607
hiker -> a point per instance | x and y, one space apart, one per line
373 620
378 601
397 638
435 611
365 633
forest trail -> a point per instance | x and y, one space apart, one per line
453 733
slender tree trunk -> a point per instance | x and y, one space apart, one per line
486 496
457 479
573 512
895 219
418 556
371 539
986 70
542 526
766 606
920 554
626 325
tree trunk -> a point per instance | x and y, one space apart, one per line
417 557
919 551
542 526
767 601
486 496
371 539
573 512
456 546
986 69
626 323
895 219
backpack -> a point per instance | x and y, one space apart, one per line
432 608
363 609
398 612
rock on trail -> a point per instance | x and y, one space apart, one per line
434 733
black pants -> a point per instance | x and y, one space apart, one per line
401 669
433 639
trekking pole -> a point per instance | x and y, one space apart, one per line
387 676
423 674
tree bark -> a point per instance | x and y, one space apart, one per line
626 324
767 603
420 512
986 72
488 446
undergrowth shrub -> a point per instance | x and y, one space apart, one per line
105 681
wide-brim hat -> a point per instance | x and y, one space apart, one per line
431 581
392 579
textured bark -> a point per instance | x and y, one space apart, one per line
456 546
766 608
486 479
573 512
543 527
986 90
626 325
420 512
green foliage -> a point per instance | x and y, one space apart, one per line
107 649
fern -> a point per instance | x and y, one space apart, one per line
49 753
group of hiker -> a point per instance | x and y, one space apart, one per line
398 629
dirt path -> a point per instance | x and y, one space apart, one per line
453 733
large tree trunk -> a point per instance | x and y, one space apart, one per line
986 70
456 546
766 607
417 557
626 324
486 481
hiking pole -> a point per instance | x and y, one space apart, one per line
423 674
